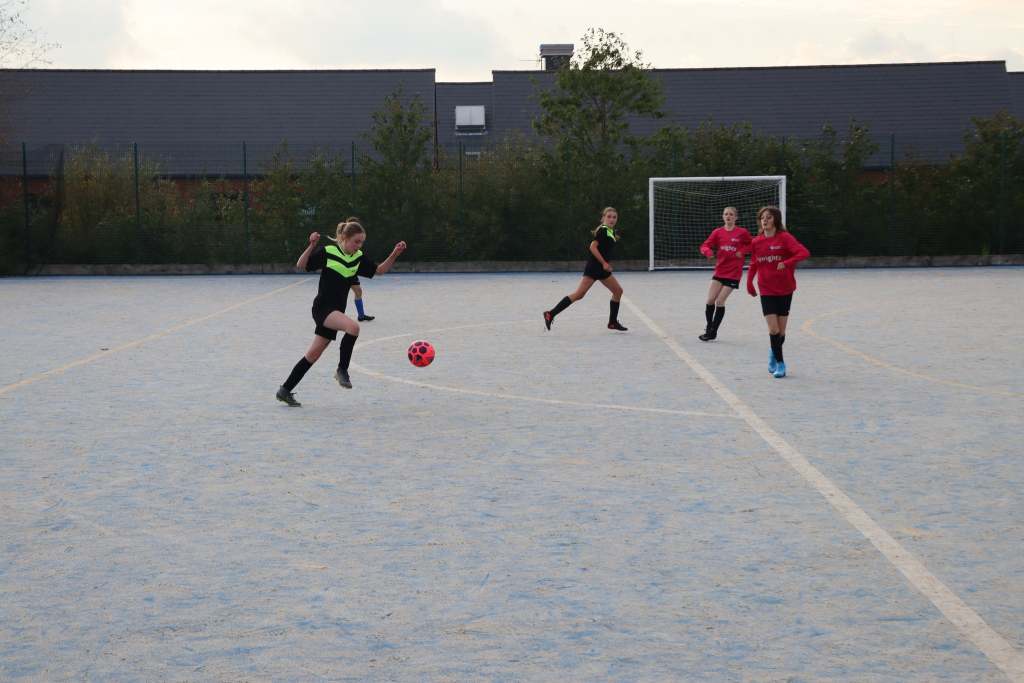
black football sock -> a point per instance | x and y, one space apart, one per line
776 347
348 342
709 312
613 314
298 372
719 314
561 306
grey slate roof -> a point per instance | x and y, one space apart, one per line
928 105
451 95
158 109
1016 81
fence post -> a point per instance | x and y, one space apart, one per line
568 204
461 238
138 213
245 199
1002 193
892 194
28 226
353 178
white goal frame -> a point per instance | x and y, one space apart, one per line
706 179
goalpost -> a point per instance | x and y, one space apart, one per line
684 211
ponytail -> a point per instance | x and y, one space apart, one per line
346 229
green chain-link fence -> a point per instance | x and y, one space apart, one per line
849 194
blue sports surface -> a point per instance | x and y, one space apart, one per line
579 504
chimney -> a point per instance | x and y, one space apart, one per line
556 56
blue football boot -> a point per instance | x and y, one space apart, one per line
780 371
772 364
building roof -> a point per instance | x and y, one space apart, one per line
928 105
1016 85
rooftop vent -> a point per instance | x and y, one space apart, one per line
470 120
556 56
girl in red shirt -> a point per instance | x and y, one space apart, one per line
773 255
732 244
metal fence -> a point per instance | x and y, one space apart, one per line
513 200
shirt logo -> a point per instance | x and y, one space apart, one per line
775 247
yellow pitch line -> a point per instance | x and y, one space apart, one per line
809 329
97 356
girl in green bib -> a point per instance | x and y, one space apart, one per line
598 269
337 266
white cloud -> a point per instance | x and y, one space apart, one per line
466 39
875 46
1014 57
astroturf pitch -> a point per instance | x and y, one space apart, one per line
579 504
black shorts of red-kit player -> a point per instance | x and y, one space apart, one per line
728 282
776 305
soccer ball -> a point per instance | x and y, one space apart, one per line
421 354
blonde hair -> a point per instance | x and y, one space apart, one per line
606 209
733 209
346 229
776 217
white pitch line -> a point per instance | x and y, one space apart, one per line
534 399
1000 652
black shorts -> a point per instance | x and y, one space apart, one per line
595 270
319 317
354 280
776 305
735 284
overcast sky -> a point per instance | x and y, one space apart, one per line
466 39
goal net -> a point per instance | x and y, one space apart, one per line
684 211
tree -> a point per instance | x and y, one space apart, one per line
21 47
595 97
395 178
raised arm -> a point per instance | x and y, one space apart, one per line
304 259
384 267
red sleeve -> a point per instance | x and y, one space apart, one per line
746 239
751 272
798 250
710 242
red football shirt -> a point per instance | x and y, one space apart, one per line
765 255
728 243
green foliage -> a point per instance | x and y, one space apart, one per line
395 178
518 199
589 110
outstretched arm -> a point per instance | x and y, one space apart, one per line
384 267
304 259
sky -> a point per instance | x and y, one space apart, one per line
466 39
